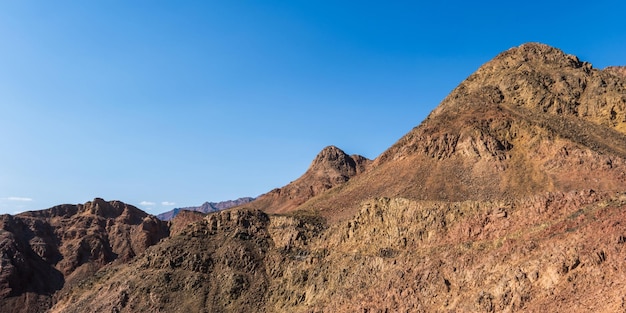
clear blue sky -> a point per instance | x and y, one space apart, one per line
165 104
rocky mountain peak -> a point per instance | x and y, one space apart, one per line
329 154
114 209
533 76
334 159
544 79
536 53
330 168
535 83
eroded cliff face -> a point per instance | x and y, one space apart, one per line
43 251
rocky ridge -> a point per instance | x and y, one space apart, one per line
531 120
331 167
207 207
43 251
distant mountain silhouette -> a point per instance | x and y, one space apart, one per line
207 207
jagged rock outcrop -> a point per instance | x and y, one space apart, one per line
43 251
330 168
207 207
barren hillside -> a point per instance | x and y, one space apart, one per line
44 251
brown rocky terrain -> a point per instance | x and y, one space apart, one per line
509 197
331 167
207 207
184 217
619 70
43 251
532 120
536 254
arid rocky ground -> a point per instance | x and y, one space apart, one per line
43 251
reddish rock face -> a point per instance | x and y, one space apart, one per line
42 251
182 219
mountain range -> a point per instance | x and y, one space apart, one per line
510 196
207 207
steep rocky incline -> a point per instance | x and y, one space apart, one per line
43 251
532 120
330 168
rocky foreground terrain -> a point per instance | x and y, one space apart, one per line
510 196
554 252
